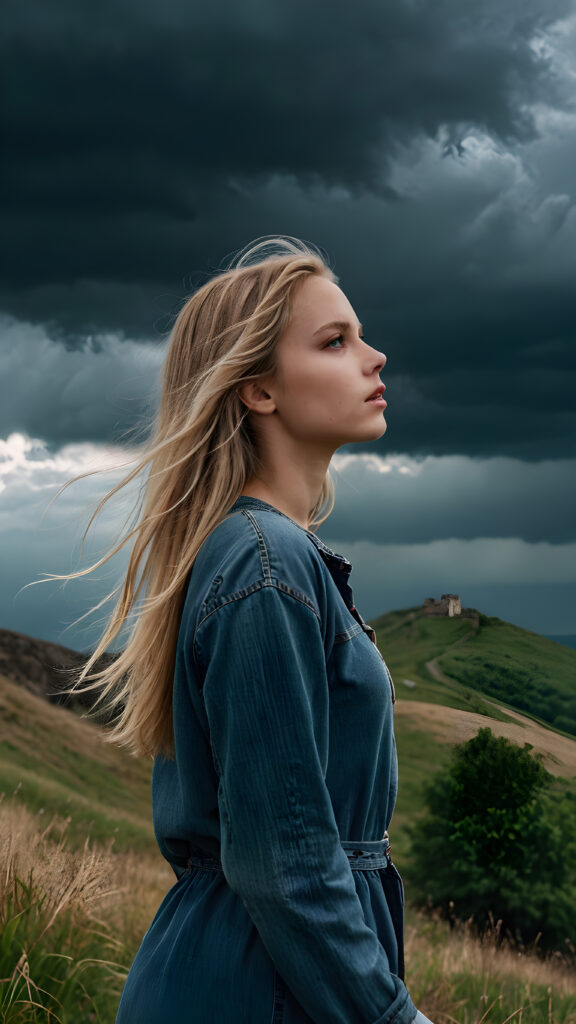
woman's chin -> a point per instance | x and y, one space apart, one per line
373 433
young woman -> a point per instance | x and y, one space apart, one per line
249 674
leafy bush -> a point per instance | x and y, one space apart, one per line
497 844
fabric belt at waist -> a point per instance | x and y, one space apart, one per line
367 856
362 856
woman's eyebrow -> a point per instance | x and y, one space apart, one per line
342 325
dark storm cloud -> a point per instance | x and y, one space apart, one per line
119 123
241 89
146 141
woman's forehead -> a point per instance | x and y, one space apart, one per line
319 301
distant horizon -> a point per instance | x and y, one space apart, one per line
565 639
562 638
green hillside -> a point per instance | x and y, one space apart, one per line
457 662
449 680
59 766
479 673
452 676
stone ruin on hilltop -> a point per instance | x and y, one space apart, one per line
449 604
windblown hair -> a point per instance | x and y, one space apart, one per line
201 453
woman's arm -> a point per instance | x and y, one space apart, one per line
266 697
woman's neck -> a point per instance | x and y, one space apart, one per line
291 487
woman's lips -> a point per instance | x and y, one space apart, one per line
376 398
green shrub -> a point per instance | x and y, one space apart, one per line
497 845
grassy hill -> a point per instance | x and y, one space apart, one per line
452 676
44 668
455 661
58 765
68 783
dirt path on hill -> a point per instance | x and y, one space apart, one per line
452 725
436 673
432 667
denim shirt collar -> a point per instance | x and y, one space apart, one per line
332 558
338 566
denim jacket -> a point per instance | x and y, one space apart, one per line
273 810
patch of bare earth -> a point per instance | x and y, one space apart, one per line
453 725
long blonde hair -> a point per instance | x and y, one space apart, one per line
201 452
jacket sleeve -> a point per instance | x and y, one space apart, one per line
266 697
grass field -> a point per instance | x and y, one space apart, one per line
435 709
73 912
72 918
60 765
455 662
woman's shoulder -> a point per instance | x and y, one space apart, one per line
254 545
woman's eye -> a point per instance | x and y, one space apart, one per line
336 342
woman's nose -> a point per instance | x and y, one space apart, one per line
376 359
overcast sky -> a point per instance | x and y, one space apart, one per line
428 148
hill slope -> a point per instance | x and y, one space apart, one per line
457 662
60 766
42 667
445 670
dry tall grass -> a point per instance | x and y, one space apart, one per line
72 921
457 977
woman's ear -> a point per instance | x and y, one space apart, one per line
256 398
